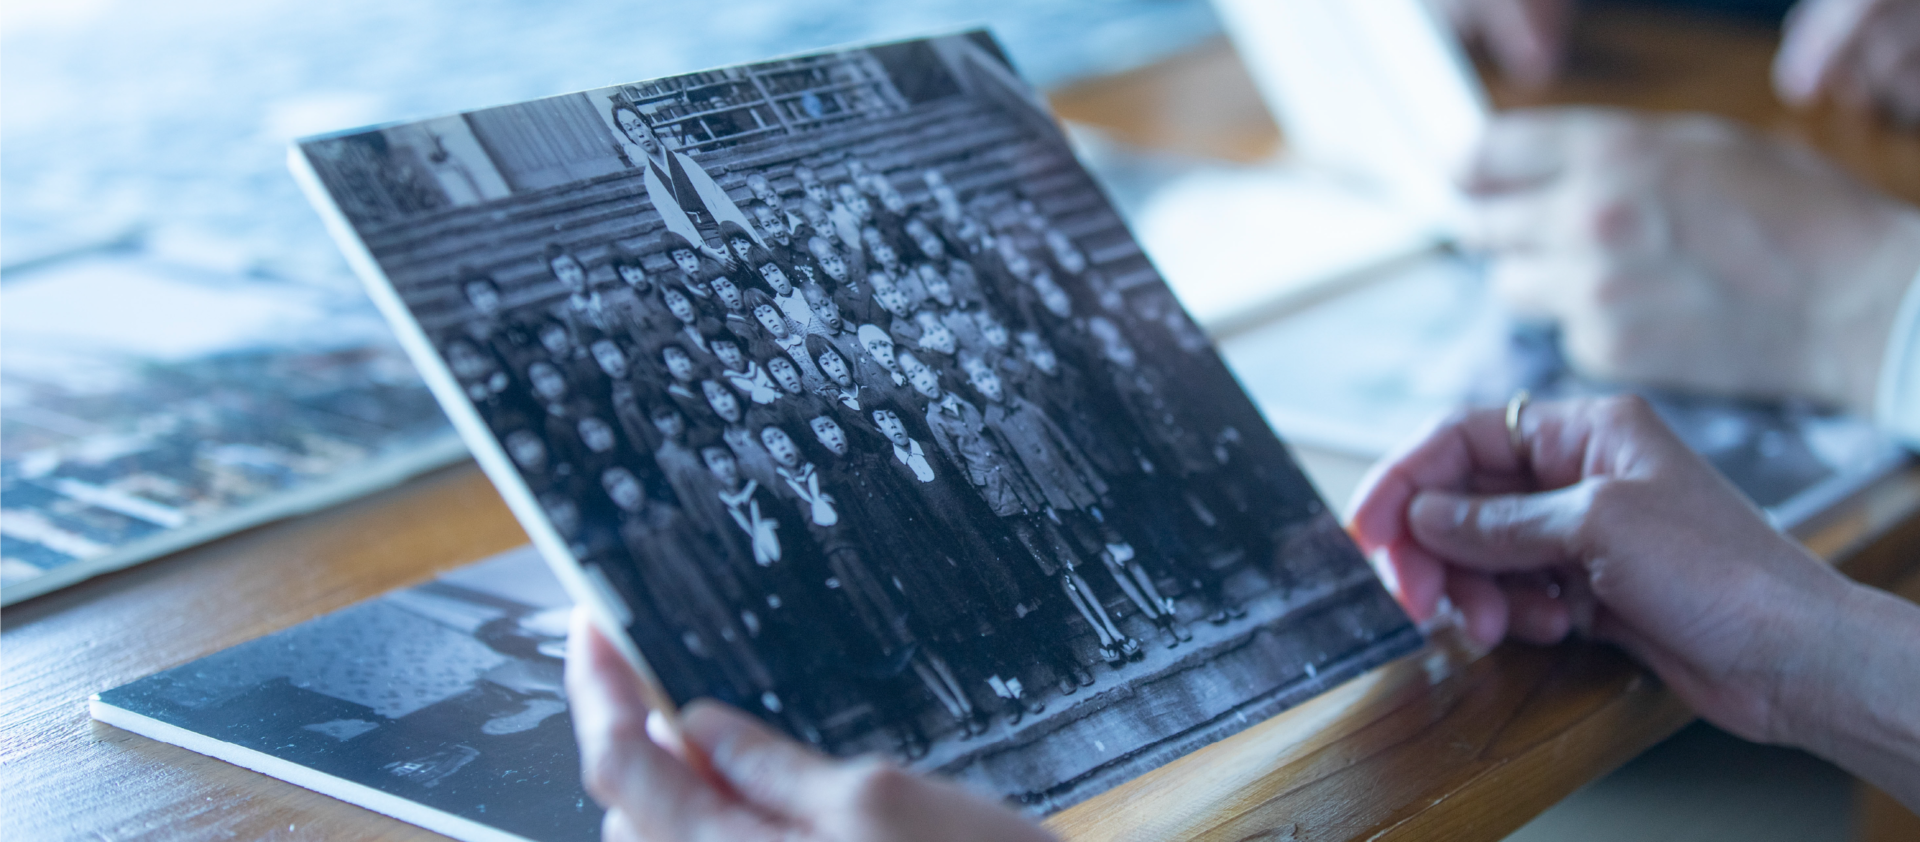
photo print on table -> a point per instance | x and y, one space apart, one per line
838 383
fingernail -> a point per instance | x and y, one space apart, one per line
662 731
1383 567
1439 511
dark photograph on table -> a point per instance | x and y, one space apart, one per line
845 382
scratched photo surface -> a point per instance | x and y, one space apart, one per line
845 384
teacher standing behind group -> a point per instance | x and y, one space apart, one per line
678 187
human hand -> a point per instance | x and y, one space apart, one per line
1860 52
1527 38
1686 251
763 786
1603 519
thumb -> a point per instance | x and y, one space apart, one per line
765 768
1500 533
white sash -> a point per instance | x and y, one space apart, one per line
807 484
763 532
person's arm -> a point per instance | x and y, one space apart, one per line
1602 520
1864 53
1863 710
1686 251
755 785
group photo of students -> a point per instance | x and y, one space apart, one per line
850 446
877 425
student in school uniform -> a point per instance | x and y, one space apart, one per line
733 305
558 424
565 350
584 307
738 422
850 252
781 289
623 393
781 336
634 302
970 532
770 551
489 326
839 388
684 374
686 476
850 212
878 370
882 257
796 404
813 189
891 214
697 264
928 244
1003 482
693 592
1072 488
764 193
694 321
859 533
860 176
787 245
740 370
485 381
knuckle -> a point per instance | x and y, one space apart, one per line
1610 506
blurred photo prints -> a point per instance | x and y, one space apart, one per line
838 382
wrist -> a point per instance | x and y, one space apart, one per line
1857 699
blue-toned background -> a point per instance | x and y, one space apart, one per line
171 118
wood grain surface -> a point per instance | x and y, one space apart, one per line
1441 745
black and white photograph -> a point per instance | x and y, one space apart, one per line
139 430
845 385
440 704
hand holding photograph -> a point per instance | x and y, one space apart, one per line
836 384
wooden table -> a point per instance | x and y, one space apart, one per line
1438 745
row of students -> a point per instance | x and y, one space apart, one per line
799 390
